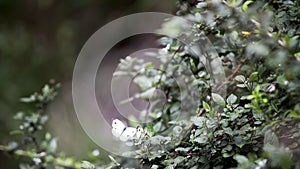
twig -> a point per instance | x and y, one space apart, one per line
160 78
36 144
232 75
218 89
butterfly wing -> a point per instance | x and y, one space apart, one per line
139 132
128 134
118 127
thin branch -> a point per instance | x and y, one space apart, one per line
160 78
232 75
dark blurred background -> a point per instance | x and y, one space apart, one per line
40 40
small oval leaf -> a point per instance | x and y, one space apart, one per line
218 99
231 99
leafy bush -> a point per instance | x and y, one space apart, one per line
256 125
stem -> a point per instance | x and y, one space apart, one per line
160 78
232 75
36 144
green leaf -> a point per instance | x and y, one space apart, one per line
233 116
234 35
198 121
245 5
201 5
46 90
297 54
227 154
231 99
257 122
184 150
253 77
29 99
297 108
241 85
44 119
281 80
239 141
177 130
293 114
11 146
148 65
113 160
179 159
48 136
206 106
227 148
154 167
157 127
150 129
53 145
218 99
240 78
86 165
16 132
149 93
240 158
19 116
201 139
25 166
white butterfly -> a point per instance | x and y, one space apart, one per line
139 132
120 130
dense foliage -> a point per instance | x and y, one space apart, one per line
255 125
258 43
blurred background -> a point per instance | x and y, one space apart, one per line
40 40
